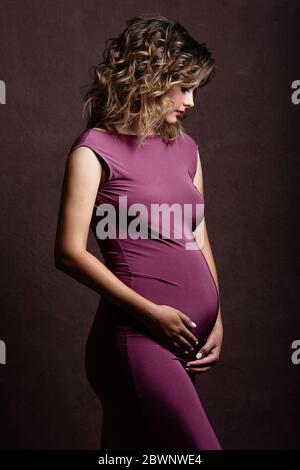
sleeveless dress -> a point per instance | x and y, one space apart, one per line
149 400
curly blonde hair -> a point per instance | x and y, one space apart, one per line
150 56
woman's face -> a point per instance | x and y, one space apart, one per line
182 99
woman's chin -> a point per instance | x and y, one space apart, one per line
171 118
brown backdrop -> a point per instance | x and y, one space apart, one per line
246 126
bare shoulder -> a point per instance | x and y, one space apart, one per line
83 161
83 152
82 164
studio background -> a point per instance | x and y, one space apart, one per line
247 127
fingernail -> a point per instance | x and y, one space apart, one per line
197 342
187 368
194 324
185 352
199 355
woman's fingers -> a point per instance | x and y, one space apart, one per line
179 349
190 337
197 370
210 360
186 344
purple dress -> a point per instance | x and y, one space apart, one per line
149 400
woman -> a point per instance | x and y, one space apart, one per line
159 305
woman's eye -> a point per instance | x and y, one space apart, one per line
185 90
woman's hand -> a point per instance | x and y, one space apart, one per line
171 328
210 350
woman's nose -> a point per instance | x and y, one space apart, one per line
189 100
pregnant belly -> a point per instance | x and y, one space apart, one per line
179 278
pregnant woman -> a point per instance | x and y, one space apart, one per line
159 310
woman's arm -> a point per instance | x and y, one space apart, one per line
209 353
81 181
202 239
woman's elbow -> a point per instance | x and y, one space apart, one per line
64 259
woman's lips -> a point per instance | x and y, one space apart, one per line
178 113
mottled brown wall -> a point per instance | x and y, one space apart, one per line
246 126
